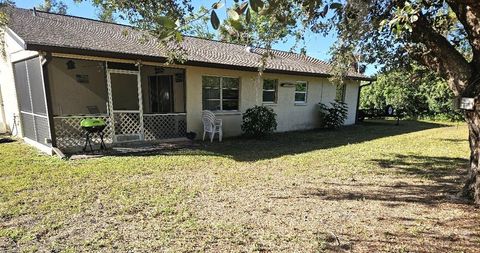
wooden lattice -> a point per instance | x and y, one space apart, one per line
69 134
127 123
164 126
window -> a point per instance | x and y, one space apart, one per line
301 92
340 94
220 93
270 87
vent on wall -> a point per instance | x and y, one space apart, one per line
287 85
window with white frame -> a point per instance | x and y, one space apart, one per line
270 90
220 93
301 89
340 94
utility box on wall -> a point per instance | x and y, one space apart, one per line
464 103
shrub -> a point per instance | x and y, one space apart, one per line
259 121
332 116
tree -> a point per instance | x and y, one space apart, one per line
53 6
442 35
259 31
105 14
201 28
416 91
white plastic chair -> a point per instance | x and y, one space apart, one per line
211 125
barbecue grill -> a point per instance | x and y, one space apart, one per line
92 126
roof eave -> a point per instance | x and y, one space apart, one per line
127 56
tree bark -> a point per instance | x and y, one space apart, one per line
463 78
471 190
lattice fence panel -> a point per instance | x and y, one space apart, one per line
127 123
69 133
164 126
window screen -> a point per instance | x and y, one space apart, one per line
31 100
220 93
270 88
301 92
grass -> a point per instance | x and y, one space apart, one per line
367 188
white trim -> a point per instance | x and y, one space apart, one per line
140 104
304 102
81 116
164 114
122 71
17 38
126 111
45 98
38 145
22 55
34 114
139 97
110 100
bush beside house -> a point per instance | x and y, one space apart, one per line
259 121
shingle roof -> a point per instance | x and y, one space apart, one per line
63 32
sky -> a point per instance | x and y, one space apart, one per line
317 45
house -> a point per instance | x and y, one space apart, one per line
60 69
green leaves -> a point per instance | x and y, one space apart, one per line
166 22
217 5
233 14
336 6
214 20
241 9
324 12
402 21
256 5
413 18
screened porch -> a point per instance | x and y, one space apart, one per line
138 103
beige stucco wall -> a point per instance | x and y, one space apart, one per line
290 116
13 49
70 97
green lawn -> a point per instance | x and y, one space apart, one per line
367 188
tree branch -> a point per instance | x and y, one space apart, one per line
468 13
441 56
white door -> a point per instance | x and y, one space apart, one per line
125 99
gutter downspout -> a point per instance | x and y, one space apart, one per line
358 99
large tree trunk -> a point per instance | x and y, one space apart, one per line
471 190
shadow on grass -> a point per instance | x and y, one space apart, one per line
446 173
277 145
291 143
6 140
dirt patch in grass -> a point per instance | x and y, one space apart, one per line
376 187
363 216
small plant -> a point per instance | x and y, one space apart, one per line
332 116
259 121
